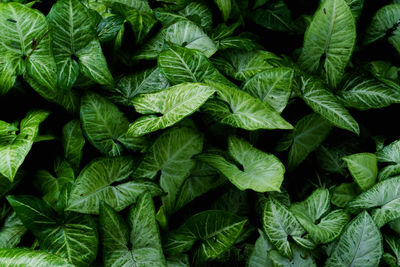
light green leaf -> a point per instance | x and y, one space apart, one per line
384 197
19 27
188 34
216 231
73 27
107 179
93 65
73 143
11 231
279 224
385 24
360 245
26 257
312 214
309 133
104 125
14 148
167 107
146 81
171 155
364 169
272 86
323 102
259 256
329 41
242 65
240 110
343 194
73 237
257 170
390 153
301 258
367 93
180 65
388 171
225 6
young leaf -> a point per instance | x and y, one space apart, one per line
384 197
15 148
240 110
167 107
107 179
27 257
359 245
272 86
364 169
73 237
327 105
225 6
11 231
329 41
258 170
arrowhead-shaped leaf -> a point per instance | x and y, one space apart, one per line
108 180
28 257
257 170
329 41
359 245
364 169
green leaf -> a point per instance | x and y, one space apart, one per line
309 133
198 13
313 215
180 65
359 245
93 65
104 125
367 93
142 232
188 34
240 110
50 186
11 231
259 256
323 102
272 86
73 143
384 197
107 179
171 154
167 107
25 47
225 6
329 41
276 17
390 153
279 224
109 27
215 231
27 257
14 148
343 194
73 27
146 81
73 237
385 24
301 258
364 169
242 65
257 170
394 246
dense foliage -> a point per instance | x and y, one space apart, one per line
199 133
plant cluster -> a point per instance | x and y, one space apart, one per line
199 133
